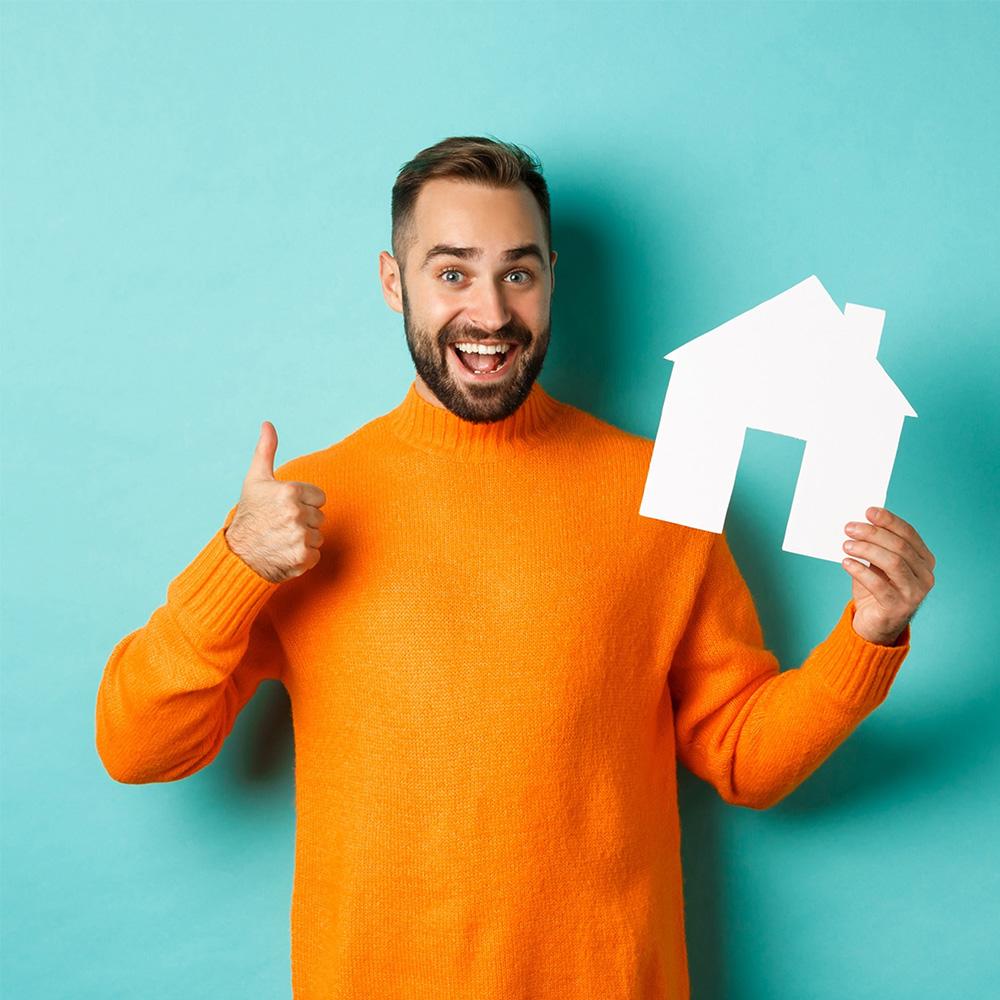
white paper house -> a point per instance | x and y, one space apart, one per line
793 365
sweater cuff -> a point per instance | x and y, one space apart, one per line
219 591
858 672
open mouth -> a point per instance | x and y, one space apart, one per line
484 367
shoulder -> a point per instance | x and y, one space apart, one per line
608 437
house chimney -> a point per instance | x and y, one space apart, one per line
864 325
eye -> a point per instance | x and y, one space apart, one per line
454 270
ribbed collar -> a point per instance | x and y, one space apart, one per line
438 430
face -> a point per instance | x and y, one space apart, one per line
471 278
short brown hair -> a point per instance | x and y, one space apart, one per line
481 159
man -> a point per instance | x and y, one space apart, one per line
493 661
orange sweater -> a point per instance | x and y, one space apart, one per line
492 670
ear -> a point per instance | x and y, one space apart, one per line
389 278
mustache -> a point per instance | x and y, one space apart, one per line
476 337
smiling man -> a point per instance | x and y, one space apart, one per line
494 662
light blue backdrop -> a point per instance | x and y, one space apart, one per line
194 198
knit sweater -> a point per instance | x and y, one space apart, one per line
492 672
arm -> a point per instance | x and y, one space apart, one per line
751 730
172 689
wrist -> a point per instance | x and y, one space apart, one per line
879 638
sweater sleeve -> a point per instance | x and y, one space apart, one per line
742 724
172 689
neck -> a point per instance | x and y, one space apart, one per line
425 392
430 426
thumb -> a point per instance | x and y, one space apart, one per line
262 463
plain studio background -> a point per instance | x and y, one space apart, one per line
194 197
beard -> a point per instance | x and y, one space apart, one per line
476 403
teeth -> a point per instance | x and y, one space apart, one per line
483 348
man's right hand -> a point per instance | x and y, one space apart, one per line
275 529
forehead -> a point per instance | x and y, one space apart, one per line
468 214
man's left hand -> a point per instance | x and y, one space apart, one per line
886 593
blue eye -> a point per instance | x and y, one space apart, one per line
454 270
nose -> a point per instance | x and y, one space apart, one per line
488 310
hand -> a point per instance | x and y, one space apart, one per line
887 593
275 529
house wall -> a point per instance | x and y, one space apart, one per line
695 456
841 476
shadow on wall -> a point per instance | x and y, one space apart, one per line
259 753
597 318
580 351
889 763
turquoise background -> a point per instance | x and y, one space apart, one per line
194 198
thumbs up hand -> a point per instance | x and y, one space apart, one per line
275 529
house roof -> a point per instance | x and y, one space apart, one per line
800 330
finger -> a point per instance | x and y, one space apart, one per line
886 519
895 543
876 584
262 463
896 569
311 495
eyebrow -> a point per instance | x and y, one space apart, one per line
474 253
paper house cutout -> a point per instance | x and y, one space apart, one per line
793 365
